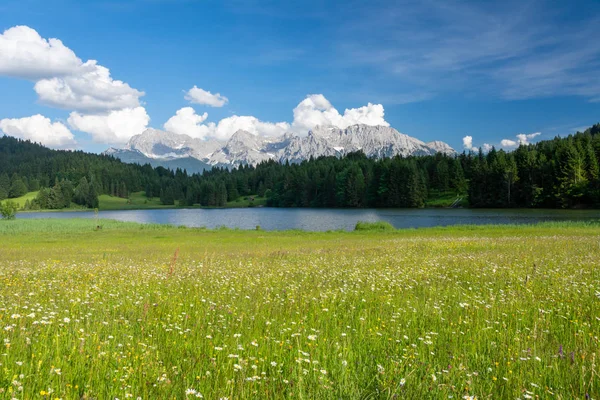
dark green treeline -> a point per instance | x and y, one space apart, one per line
64 178
558 173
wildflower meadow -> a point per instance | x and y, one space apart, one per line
159 312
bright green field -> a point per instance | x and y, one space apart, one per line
147 311
246 201
21 200
445 199
137 200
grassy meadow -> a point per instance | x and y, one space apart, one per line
27 196
438 199
136 201
139 201
160 312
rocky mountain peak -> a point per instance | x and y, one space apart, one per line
246 148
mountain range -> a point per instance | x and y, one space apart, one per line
172 150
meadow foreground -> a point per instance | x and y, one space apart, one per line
155 312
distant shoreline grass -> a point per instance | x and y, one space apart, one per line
45 225
139 201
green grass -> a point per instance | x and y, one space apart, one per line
139 201
247 201
136 200
444 199
374 226
152 311
21 200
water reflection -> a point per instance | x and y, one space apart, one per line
325 219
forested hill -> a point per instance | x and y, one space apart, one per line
558 173
71 176
563 172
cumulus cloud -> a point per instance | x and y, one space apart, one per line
187 122
92 89
62 79
228 126
315 109
40 129
487 147
200 96
25 54
521 139
116 127
508 143
468 143
312 111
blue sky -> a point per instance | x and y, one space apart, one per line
441 70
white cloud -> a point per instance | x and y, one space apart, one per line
468 143
40 129
200 96
524 139
508 143
92 89
187 122
63 80
25 54
317 110
228 126
312 111
521 139
116 127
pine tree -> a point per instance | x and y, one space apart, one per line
221 195
92 200
34 185
232 192
4 186
82 192
17 188
572 179
168 197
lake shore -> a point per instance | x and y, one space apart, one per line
309 219
138 201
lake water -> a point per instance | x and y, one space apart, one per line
326 219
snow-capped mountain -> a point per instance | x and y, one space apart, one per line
441 147
241 149
167 149
190 164
164 145
374 141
